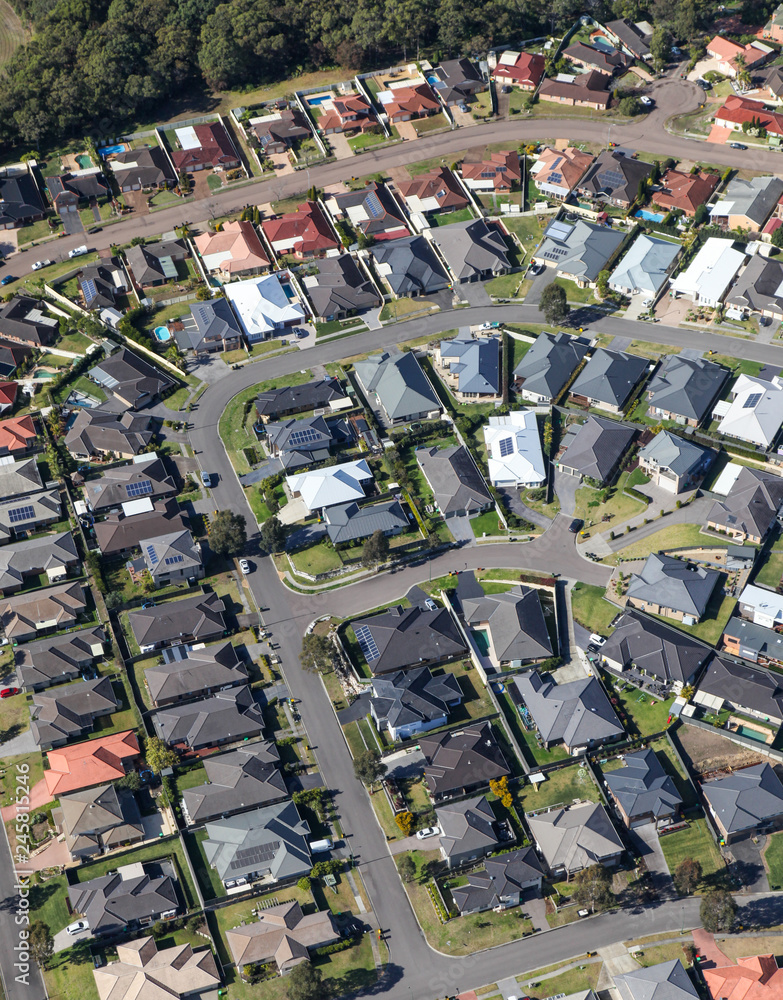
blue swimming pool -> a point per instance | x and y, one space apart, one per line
602 42
315 101
649 216
108 150
162 334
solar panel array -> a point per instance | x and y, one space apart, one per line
298 439
88 289
611 178
152 554
140 489
171 560
21 513
752 400
255 855
373 205
366 642
506 446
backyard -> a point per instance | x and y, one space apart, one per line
562 786
647 715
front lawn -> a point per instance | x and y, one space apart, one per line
773 857
405 308
488 522
585 977
431 124
320 558
618 507
592 610
695 841
68 974
675 536
47 903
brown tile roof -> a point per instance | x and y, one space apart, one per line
83 764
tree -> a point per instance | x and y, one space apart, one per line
406 822
661 45
594 888
406 868
368 767
228 535
687 876
717 911
304 983
304 883
114 600
630 106
317 652
777 237
41 942
554 304
701 215
273 535
375 549
159 755
603 284
499 787
131 781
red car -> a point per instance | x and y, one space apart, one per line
7 692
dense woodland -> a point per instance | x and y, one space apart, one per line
99 66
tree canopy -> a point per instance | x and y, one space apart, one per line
717 911
368 767
159 755
228 535
554 303
304 982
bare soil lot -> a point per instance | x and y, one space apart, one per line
711 752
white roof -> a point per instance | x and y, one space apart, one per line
187 137
756 411
727 479
141 506
646 264
509 58
711 270
766 601
514 448
262 305
332 485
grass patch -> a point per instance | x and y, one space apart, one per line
355 324
675 536
715 620
424 125
695 841
592 610
320 558
618 506
565 785
508 286
68 974
208 879
773 856
647 715
488 522
34 763
405 308
528 229
572 981
739 366
526 737
437 219
771 570
48 903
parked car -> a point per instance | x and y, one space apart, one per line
41 263
737 145
301 332
576 525
704 84
648 102
7 279
206 479
537 268
428 831
430 605
78 251
78 926
596 639
8 692
244 565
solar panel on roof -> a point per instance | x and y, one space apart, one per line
366 642
752 400
171 560
21 514
140 489
255 855
152 554
373 205
611 178
506 446
88 289
300 438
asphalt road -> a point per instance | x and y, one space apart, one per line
33 988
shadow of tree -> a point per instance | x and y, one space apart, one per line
368 982
758 913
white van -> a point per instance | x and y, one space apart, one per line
318 846
78 252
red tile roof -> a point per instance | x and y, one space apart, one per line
757 977
685 191
307 227
528 69
82 765
726 50
501 168
8 392
737 110
348 113
216 148
440 184
414 100
17 434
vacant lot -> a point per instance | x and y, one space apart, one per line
707 752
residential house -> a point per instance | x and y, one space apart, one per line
462 761
729 54
52 609
99 432
614 178
585 90
773 29
282 934
750 508
469 831
633 38
685 389
407 102
410 267
20 478
31 513
411 702
399 638
642 790
770 79
741 687
578 252
156 263
399 386
437 190
737 111
454 478
457 80
204 147
372 210
498 174
649 647
337 288
53 555
236 781
131 379
519 69
756 977
287 400
595 449
11 356
608 380
759 289
514 455
577 714
146 478
298 443
24 321
227 716
645 268
187 672
178 971
346 113
8 393
102 283
762 606
234 252
747 204
97 820
142 168
263 305
348 522
753 642
556 171
279 131
58 658
20 198
675 464
599 60
335 484
747 802
684 192
505 881
474 250
192 619
755 411
174 557
95 762
664 981
575 838
211 328
513 625
673 588
548 365
121 532
135 895
62 713
303 233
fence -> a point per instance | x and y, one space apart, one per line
738 738
72 306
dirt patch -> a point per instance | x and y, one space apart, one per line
709 753
12 32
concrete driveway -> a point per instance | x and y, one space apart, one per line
748 865
63 940
24 743
540 282
565 488
295 510
521 509
461 529
645 841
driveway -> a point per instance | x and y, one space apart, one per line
565 488
305 536
24 743
748 866
63 940
72 223
540 282
523 511
646 842
295 510
475 293
461 529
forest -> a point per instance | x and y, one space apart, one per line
99 67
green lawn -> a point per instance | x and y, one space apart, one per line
528 228
449 218
320 558
693 842
488 522
647 715
573 981
405 308
76 342
208 879
508 286
47 903
618 506
771 568
164 848
591 609
54 361
431 124
773 856
561 786
526 738
740 366
675 536
68 974
715 620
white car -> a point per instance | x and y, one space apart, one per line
244 565
597 639
41 263
430 605
428 831
78 926
78 252
647 101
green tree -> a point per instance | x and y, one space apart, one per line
159 755
406 868
687 876
630 106
304 883
661 45
41 942
777 237
554 303
717 911
594 888
228 534
603 284
273 535
317 652
368 767
375 549
702 214
304 982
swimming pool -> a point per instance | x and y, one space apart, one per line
162 334
43 375
751 734
602 42
108 150
482 642
315 101
649 216
84 161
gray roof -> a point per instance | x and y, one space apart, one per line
468 827
58 657
128 482
238 780
575 838
189 672
752 503
454 479
171 553
339 286
210 322
456 73
577 713
100 430
591 55
755 640
630 36
272 839
666 981
645 266
59 713
610 376
477 366
760 286
754 198
642 787
550 362
595 448
99 817
25 513
145 165
348 522
410 266
412 696
34 556
25 318
399 383
580 250
614 175
472 248
119 531
153 263
199 618
648 644
134 892
749 687
675 584
503 875
226 715
745 799
461 758
299 442
404 637
670 451
686 387
515 621
131 378
382 212
19 478
297 398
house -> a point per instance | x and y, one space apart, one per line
58 658
131 379
649 647
773 29
756 977
204 147
11 356
590 57
474 250
20 198
346 113
454 478
53 555
234 252
283 935
747 204
227 716
170 558
759 289
457 80
642 791
337 288
585 90
192 619
267 844
99 431
673 588
101 283
575 838
335 484
742 687
238 780
8 393
263 305
771 80
155 263
296 443
289 399
413 701
211 328
462 761
674 464
469 831
399 638
753 642
614 178
187 672
100 760
578 252
548 365
405 103
146 478
685 389
69 710
437 190
277 132
608 380
750 508
505 881
348 522
303 233
746 802
410 266
646 267
372 210
556 171
135 895
399 386
734 59
24 321
762 606
120 532
519 69
141 968
497 175
513 624
514 455
684 192
737 111
755 411
142 168
97 820
632 38
31 513
52 609
665 981
577 714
